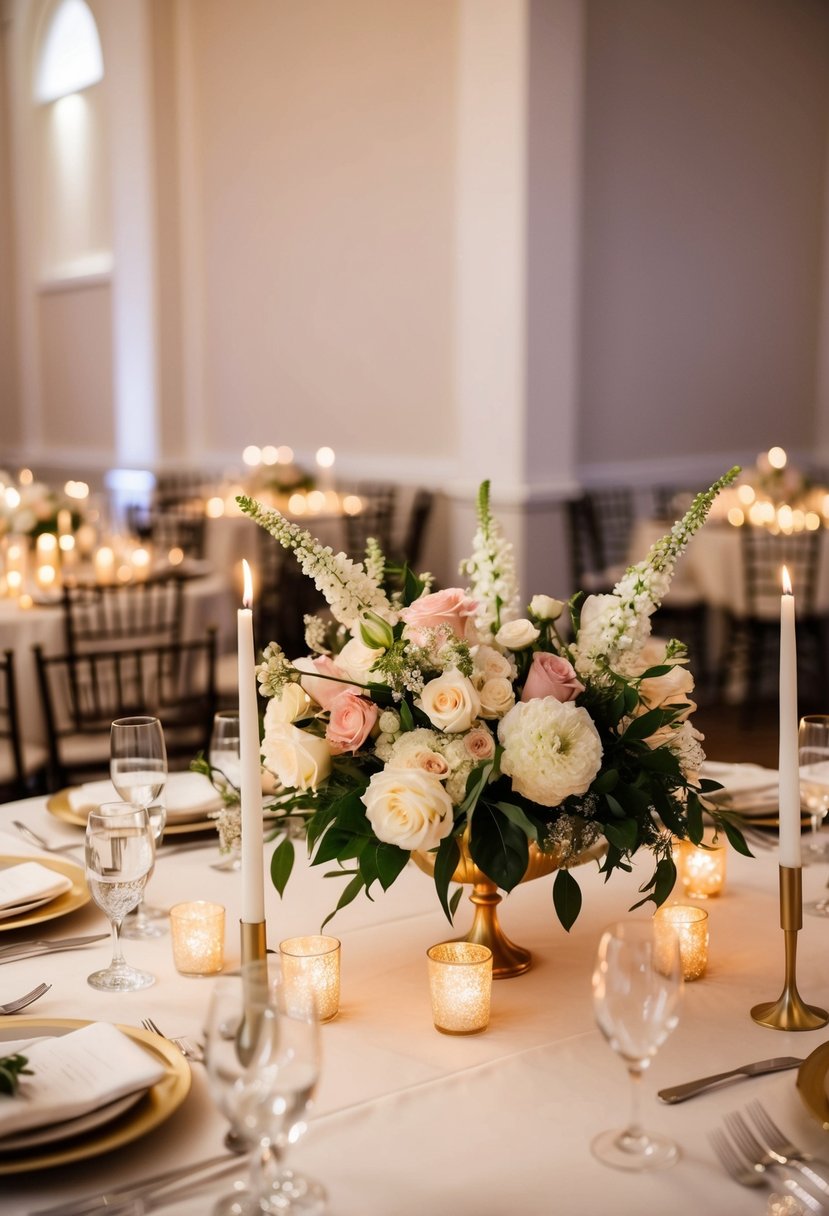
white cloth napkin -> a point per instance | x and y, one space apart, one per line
76 1073
187 796
27 883
746 787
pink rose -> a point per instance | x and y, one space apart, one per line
451 607
351 722
322 691
551 676
479 743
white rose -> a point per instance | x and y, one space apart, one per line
490 663
408 807
356 660
517 635
497 697
300 760
673 688
450 702
292 704
545 608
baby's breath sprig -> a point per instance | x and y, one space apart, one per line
275 671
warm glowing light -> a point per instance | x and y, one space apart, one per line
47 542
214 507
14 578
785 518
798 519
12 497
15 553
140 557
46 575
66 542
332 501
284 454
786 581
812 521
825 505
316 502
25 477
175 556
297 504
767 512
252 455
777 458
76 489
746 494
736 516
325 457
352 505
247 594
270 454
124 572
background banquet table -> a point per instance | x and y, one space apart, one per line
409 1120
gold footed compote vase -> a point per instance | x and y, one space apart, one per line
508 958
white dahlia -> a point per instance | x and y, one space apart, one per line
551 749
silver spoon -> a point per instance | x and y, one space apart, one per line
23 1001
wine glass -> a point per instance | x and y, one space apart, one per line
637 989
262 1056
813 758
226 775
119 860
138 768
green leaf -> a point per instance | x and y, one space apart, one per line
566 898
693 818
645 725
282 863
615 807
653 672
631 698
605 782
476 783
519 818
390 862
453 903
446 861
350 892
660 884
735 836
660 760
498 847
623 834
412 586
407 722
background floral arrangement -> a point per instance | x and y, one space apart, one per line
423 718
32 509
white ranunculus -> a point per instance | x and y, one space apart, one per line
545 608
551 749
517 635
450 702
300 760
408 807
356 660
497 697
292 704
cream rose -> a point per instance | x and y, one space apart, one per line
545 608
292 704
351 722
517 635
674 688
356 660
425 758
450 702
479 743
300 760
408 807
497 697
490 663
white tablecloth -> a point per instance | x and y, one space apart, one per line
408 1120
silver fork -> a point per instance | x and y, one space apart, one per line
33 838
189 1049
762 1164
778 1145
26 999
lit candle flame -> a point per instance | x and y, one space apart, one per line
787 582
247 597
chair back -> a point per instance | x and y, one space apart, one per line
81 694
419 513
764 554
172 526
12 774
96 617
376 519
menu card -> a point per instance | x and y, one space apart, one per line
76 1073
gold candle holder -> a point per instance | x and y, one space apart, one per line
789 1012
690 925
460 981
197 934
254 944
314 962
701 870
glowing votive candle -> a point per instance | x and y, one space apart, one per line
197 932
701 870
314 962
460 981
690 925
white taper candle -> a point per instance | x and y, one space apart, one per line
253 889
789 772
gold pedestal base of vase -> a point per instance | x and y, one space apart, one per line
507 958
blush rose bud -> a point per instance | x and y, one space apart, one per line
545 608
376 632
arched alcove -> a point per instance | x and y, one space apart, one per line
70 57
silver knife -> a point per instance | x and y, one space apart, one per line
19 950
680 1093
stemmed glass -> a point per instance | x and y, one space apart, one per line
119 860
138 768
226 774
637 990
813 756
263 1061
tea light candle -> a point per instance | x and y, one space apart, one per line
701 870
197 933
460 981
315 963
104 564
690 925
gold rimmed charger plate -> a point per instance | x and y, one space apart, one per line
811 1084
75 897
152 1109
59 805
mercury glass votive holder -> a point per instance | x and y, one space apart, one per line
197 932
314 962
701 871
460 981
690 925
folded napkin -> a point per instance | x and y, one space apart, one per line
187 797
28 883
746 787
76 1073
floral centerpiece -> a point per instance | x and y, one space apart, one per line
436 720
29 510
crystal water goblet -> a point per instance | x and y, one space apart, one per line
813 760
226 774
637 991
263 1060
119 860
138 770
